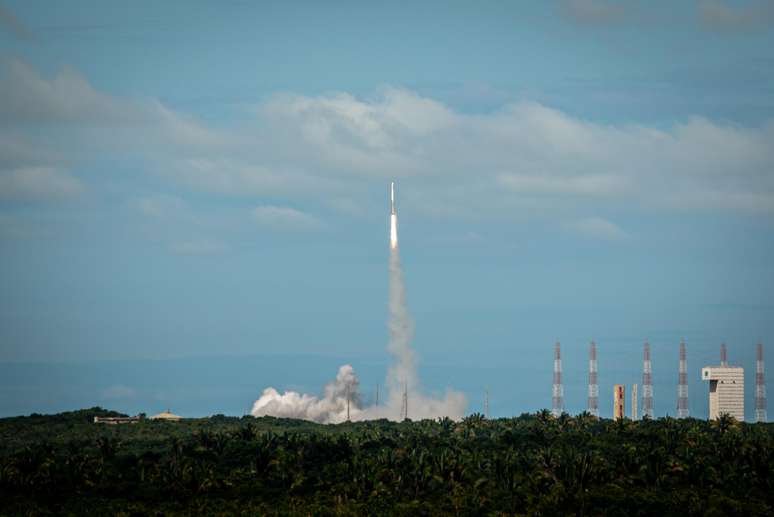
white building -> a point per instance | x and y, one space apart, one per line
166 415
726 390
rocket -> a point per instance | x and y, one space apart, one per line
393 219
392 198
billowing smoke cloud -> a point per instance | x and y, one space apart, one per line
332 407
402 378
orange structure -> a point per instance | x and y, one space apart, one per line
619 401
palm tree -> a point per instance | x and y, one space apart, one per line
724 423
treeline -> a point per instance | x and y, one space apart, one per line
532 464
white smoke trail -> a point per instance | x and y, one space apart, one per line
403 372
402 375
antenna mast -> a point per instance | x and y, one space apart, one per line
486 404
647 383
593 403
557 399
760 386
634 402
682 384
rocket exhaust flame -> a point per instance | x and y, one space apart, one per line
393 232
342 400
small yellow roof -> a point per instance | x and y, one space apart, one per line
166 415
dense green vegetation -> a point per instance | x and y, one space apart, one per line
532 464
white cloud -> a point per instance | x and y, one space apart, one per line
357 136
18 152
375 124
241 178
180 129
51 124
482 163
597 228
38 183
286 219
28 99
338 150
67 97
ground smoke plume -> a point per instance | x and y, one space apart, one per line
332 406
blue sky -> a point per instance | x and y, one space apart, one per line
193 180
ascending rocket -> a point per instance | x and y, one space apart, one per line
393 219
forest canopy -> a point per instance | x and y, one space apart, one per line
531 464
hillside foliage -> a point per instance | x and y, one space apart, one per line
533 464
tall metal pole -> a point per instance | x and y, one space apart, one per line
647 383
760 386
682 384
486 404
634 402
557 399
593 404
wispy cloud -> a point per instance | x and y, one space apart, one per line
232 176
38 183
596 228
67 100
293 149
285 219
477 162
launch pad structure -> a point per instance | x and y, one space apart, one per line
726 386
